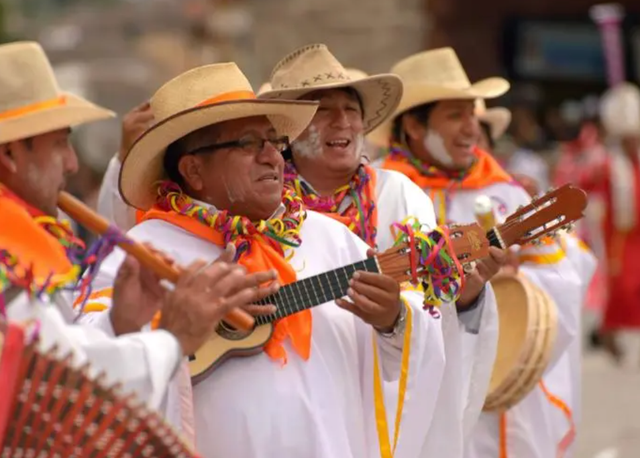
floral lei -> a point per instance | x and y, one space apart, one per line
282 233
398 152
441 276
359 210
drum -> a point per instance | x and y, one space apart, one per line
528 327
51 408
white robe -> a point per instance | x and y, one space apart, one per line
320 408
110 202
536 426
460 398
143 363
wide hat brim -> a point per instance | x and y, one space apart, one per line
74 112
498 119
417 94
380 95
143 167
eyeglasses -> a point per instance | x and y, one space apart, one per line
249 145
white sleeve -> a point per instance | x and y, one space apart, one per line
418 203
419 353
143 363
479 348
110 203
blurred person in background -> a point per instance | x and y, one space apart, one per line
493 124
619 182
530 140
579 161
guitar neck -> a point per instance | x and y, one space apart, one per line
495 239
313 291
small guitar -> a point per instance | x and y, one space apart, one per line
543 216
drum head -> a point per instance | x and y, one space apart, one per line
512 298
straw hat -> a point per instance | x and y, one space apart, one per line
498 118
314 68
31 103
436 75
198 98
356 74
620 110
266 87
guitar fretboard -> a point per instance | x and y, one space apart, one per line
313 291
493 238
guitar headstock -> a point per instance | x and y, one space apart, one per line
545 215
466 242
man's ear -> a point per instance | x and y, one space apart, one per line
412 127
7 160
190 167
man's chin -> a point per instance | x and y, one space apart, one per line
344 161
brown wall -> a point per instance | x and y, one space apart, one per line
472 25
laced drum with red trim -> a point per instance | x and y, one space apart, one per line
528 327
51 409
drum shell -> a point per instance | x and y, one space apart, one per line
528 327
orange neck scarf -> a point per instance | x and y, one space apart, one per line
29 256
484 172
260 255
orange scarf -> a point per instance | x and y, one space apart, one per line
30 246
485 172
261 257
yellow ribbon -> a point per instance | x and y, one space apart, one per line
381 412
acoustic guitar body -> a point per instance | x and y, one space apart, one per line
227 343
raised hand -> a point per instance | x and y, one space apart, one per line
137 296
204 294
484 270
134 124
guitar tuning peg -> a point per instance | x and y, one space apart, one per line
467 268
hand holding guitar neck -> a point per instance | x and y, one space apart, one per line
97 224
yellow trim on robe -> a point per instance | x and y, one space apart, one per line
543 258
381 412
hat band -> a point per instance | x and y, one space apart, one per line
228 96
34 107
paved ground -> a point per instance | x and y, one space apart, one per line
611 407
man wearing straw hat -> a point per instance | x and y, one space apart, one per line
433 137
325 166
35 269
211 169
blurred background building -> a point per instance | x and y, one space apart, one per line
118 52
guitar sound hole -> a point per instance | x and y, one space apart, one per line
228 332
